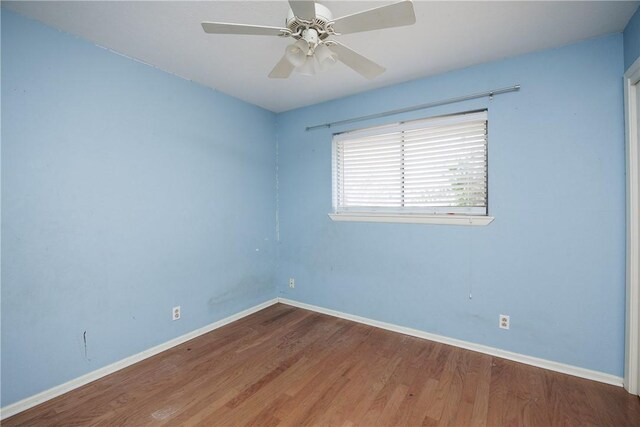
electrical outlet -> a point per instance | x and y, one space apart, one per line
176 313
503 321
292 282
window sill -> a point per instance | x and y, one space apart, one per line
473 220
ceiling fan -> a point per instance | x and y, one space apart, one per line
311 25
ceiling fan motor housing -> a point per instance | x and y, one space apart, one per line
297 26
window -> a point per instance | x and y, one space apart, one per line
430 167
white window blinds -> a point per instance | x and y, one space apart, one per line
430 166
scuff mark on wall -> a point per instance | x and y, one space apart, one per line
245 287
84 339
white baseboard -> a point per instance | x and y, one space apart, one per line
517 357
56 391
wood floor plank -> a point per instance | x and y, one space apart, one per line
530 386
336 364
354 395
417 378
497 411
284 366
481 400
470 368
373 378
439 399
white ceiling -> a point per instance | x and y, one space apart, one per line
447 35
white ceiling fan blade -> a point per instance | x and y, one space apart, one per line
356 62
229 28
304 9
393 15
282 70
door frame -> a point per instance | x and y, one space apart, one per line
632 330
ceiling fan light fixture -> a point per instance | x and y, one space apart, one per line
296 53
309 67
325 57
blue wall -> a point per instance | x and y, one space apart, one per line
632 40
553 259
125 191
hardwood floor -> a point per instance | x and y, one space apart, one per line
288 366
